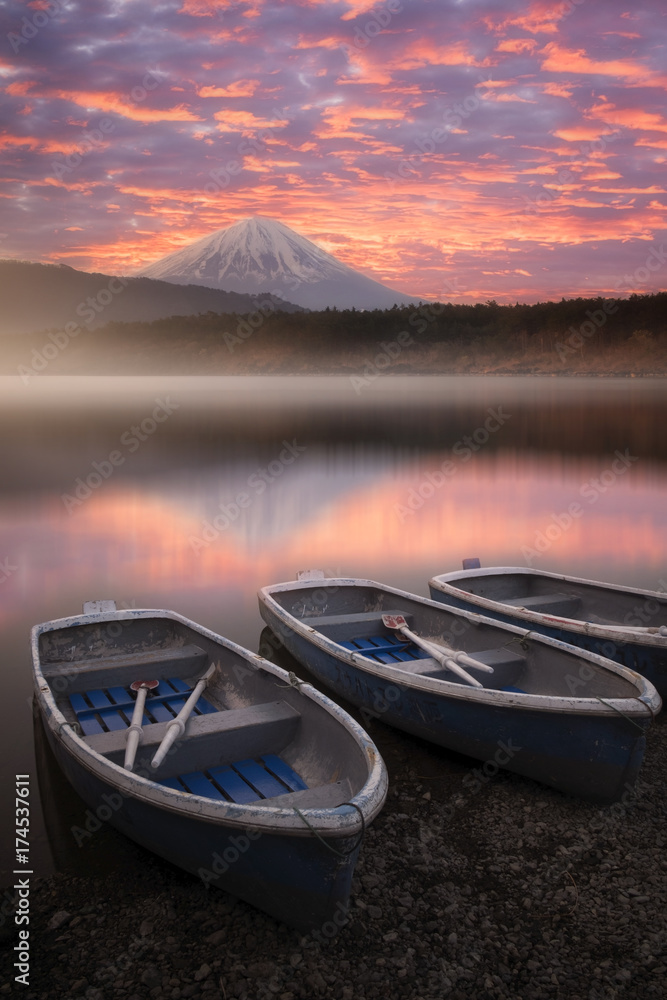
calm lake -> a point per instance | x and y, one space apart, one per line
191 493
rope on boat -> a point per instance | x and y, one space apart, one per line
522 640
609 705
525 637
294 681
339 854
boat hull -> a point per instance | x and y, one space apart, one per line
589 758
293 879
289 853
579 752
645 657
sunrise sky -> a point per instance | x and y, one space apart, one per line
453 149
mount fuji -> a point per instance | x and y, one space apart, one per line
260 255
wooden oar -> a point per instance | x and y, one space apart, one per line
134 732
176 727
448 657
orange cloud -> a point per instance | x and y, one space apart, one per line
652 143
46 145
241 121
517 45
559 59
542 17
119 104
577 133
339 120
20 87
556 89
633 118
204 8
365 70
430 52
509 99
240 88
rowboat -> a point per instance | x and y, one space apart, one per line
539 707
242 775
622 623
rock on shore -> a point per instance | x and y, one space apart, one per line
485 889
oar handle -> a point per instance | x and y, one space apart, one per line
450 658
134 731
176 727
457 655
441 657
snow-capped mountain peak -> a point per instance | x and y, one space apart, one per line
259 255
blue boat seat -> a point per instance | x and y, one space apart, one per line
241 782
386 649
109 709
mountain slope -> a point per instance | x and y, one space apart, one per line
37 296
259 255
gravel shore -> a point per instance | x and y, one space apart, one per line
466 887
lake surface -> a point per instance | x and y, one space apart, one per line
191 493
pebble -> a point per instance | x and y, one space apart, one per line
464 895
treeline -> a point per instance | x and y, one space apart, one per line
571 336
593 320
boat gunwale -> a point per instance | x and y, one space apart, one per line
622 634
340 821
645 703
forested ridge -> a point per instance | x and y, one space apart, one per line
623 336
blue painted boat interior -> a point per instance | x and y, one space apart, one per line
392 651
104 711
242 782
110 709
386 649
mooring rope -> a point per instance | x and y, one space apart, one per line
339 854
